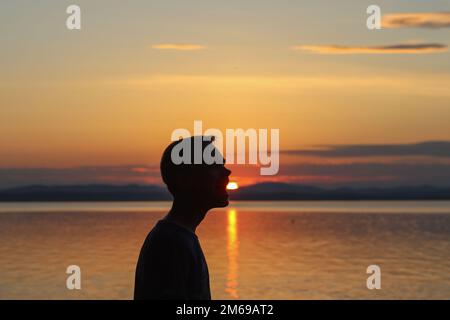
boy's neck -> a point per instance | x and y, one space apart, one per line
186 214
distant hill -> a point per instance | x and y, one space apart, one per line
86 193
284 191
262 191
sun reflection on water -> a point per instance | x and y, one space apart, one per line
232 254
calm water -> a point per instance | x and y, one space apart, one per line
255 250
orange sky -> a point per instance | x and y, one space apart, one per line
112 93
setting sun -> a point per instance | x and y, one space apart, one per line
232 186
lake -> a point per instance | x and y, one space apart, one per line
255 250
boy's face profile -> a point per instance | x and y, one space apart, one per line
204 184
207 184
215 181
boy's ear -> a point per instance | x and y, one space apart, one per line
183 183
176 183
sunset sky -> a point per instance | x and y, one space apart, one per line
354 106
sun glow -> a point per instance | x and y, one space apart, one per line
232 186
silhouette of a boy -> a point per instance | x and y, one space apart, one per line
171 263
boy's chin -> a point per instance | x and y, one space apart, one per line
221 202
224 204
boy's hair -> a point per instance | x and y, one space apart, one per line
170 170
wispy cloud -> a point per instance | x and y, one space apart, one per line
355 174
414 48
178 46
368 174
429 148
432 168
132 174
430 20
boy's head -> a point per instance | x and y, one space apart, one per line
202 183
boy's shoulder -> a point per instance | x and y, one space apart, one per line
168 233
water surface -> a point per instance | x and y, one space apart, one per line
255 250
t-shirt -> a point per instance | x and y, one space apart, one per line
171 265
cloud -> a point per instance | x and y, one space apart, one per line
414 48
133 174
432 20
367 174
178 46
336 165
429 148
